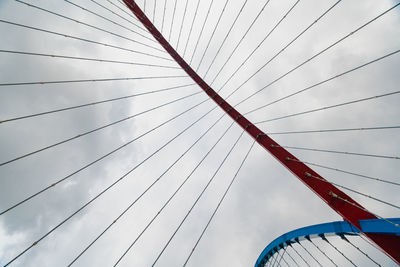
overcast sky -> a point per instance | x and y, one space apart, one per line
265 201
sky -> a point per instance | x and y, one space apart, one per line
265 200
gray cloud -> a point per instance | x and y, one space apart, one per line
265 201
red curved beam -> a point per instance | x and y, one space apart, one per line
348 208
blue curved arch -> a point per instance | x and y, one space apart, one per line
333 228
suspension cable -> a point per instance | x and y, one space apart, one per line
354 191
93 80
335 130
290 256
172 22
154 11
278 262
198 198
369 242
212 35
219 203
339 251
191 28
163 16
88 59
298 254
347 172
320 250
321 82
308 252
93 162
275 257
319 53
123 10
144 192
225 38
89 25
328 107
111 21
138 12
84 40
240 41
106 189
183 22
283 258
201 31
94 103
340 152
359 249
118 15
259 45
294 39
176 191
362 208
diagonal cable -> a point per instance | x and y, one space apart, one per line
320 52
347 172
89 25
220 202
107 188
177 190
148 188
97 160
334 130
201 31
123 10
144 192
225 38
320 250
198 198
328 107
111 21
118 15
354 191
339 251
258 46
93 103
340 152
163 16
240 41
83 39
212 35
92 80
283 49
172 21
322 82
88 59
183 23
191 28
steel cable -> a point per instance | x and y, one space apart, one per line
92 103
220 201
89 25
111 21
198 198
84 40
105 190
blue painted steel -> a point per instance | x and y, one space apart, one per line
380 226
333 228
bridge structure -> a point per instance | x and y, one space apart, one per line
156 55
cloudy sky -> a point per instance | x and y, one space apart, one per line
265 200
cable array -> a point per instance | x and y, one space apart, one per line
160 79
84 40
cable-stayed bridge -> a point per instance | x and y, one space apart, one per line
136 133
